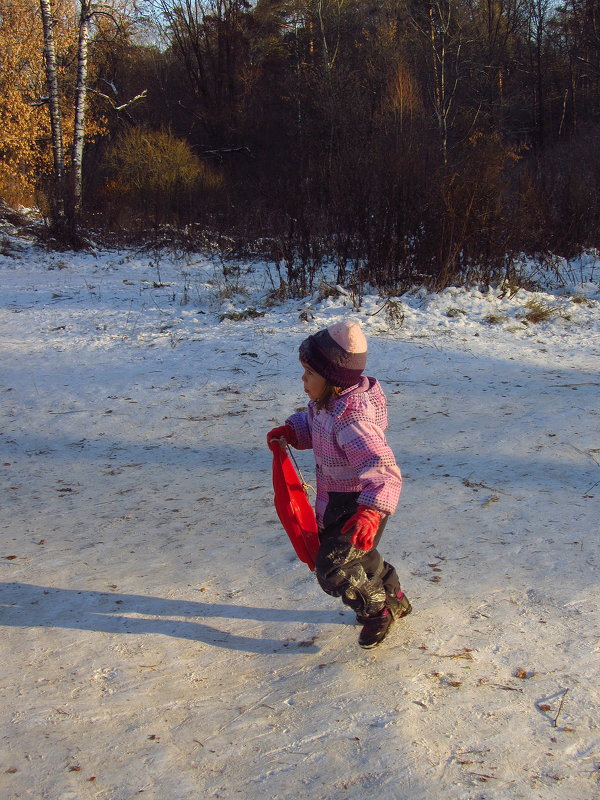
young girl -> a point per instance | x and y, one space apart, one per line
358 482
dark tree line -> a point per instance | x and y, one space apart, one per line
408 141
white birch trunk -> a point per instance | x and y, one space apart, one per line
80 104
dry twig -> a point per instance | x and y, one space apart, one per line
562 700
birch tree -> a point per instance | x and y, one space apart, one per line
68 171
58 200
85 18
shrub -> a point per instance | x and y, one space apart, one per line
156 175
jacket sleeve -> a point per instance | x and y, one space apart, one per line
373 462
299 422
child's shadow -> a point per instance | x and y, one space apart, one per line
26 605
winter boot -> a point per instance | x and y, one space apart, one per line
375 628
399 605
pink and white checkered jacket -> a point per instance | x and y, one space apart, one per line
351 452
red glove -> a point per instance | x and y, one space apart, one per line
365 523
285 432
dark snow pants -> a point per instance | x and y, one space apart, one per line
362 579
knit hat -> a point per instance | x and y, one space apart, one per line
337 353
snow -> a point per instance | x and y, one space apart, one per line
158 636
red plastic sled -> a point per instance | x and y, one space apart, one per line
293 508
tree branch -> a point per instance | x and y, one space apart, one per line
122 106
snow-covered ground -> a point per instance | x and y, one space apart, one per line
158 637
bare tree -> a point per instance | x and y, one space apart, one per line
54 106
209 39
443 30
539 13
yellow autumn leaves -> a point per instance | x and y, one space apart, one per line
25 151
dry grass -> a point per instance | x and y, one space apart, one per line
538 311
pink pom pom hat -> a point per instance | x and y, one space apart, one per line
337 353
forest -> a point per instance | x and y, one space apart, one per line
405 142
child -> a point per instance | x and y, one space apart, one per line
358 482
